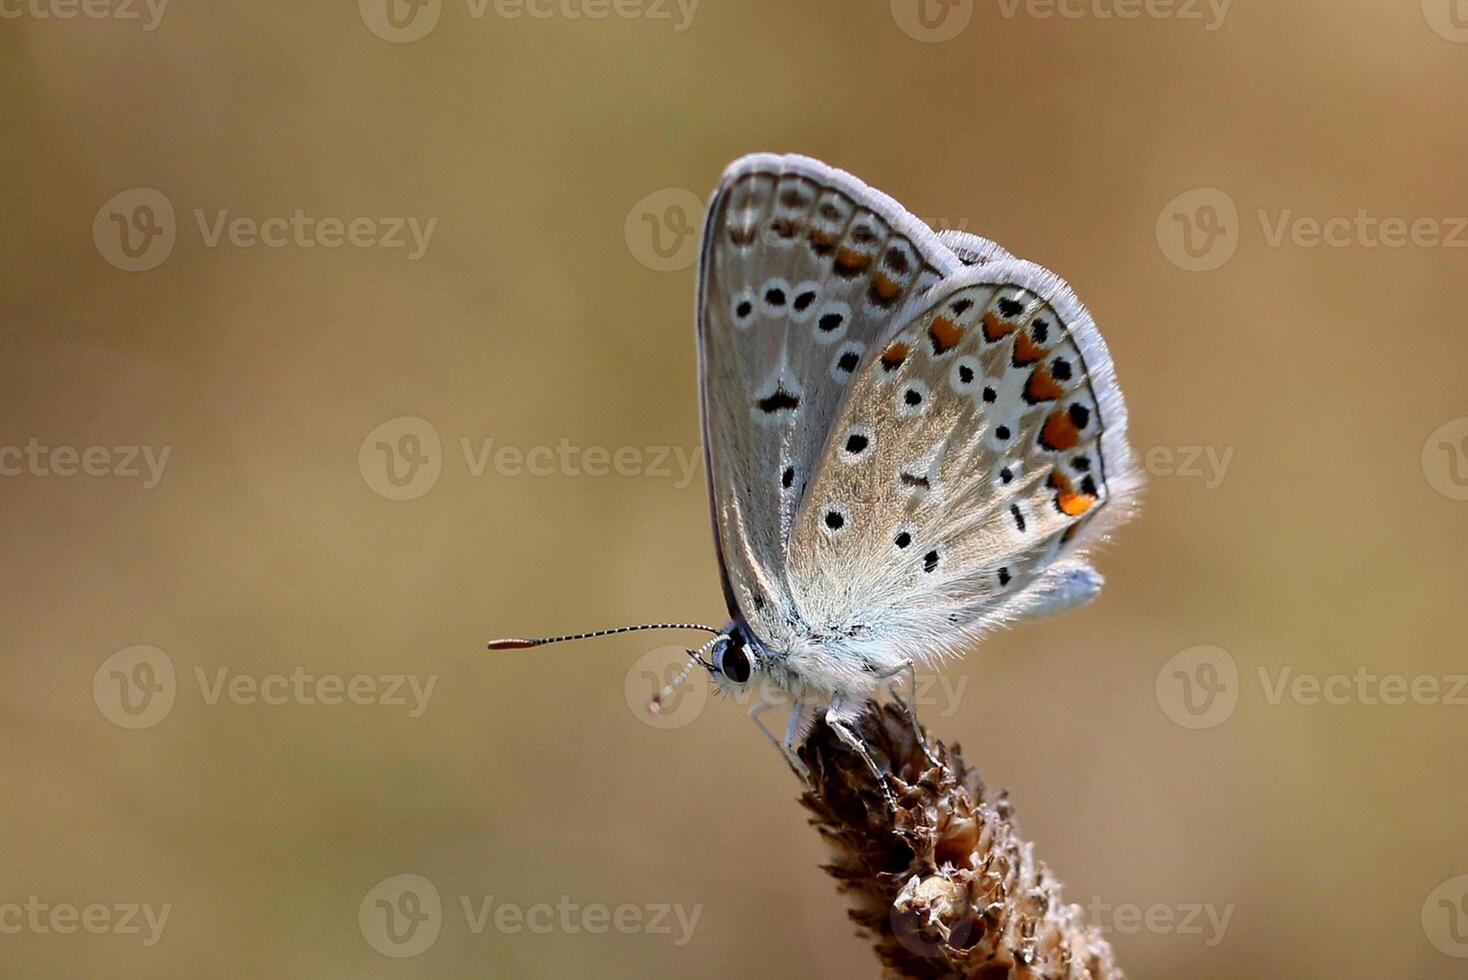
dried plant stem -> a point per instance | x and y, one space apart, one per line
947 888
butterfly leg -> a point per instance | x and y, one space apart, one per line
784 748
837 718
907 667
798 726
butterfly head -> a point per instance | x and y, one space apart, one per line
736 659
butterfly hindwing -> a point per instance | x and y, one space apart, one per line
981 449
972 249
804 269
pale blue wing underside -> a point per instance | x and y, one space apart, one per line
803 269
856 526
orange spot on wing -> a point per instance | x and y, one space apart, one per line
1026 351
884 288
1073 504
945 334
894 355
822 241
850 262
1059 432
996 328
1042 386
1070 501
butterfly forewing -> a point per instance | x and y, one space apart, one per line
981 448
804 270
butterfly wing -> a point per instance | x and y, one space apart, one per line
804 268
972 249
981 449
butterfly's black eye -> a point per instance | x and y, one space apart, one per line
732 661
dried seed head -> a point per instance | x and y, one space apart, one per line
947 888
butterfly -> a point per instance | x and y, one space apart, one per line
911 438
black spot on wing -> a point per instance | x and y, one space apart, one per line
780 401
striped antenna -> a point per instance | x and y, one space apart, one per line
519 644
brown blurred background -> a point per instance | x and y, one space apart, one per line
1300 406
